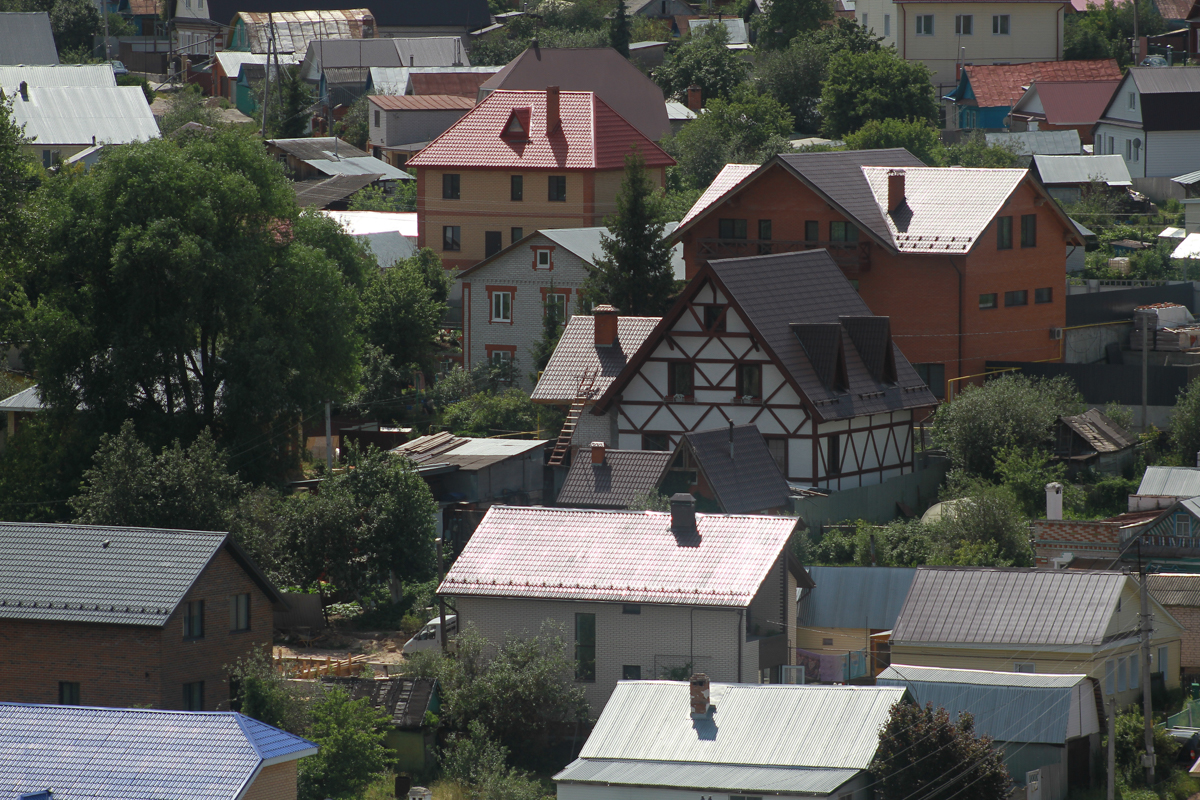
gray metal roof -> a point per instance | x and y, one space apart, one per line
585 243
338 157
84 573
854 597
397 80
1175 589
1177 80
390 247
11 77
1188 179
427 51
27 400
1009 707
1059 170
321 192
739 468
463 452
1024 143
27 38
948 605
706 777
1170 482
736 28
623 476
760 725
77 115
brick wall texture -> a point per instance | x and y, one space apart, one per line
125 665
276 782
1080 538
1189 618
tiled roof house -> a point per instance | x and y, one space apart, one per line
524 161
122 753
986 93
640 594
612 479
967 263
110 616
1050 105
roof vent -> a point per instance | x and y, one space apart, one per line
106 543
24 87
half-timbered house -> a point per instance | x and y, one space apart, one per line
782 342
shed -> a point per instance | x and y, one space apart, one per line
1068 177
1093 440
406 702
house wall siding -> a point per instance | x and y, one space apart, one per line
1171 153
276 782
1121 134
411 125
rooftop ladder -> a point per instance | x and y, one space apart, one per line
563 445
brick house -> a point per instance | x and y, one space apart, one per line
1170 536
1179 593
969 264
524 160
51 751
105 616
638 594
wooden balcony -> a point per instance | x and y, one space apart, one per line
853 257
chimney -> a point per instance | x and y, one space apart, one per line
24 90
597 452
895 190
553 118
695 99
411 59
1054 501
699 694
683 514
605 317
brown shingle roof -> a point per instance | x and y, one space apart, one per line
1104 435
623 476
462 84
743 476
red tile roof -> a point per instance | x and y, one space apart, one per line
1003 84
428 102
1075 102
617 556
591 136
463 84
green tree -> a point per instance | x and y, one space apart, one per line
1130 745
1113 24
874 85
19 175
74 23
372 198
972 150
1082 42
140 82
915 136
1026 474
489 413
353 127
353 754
477 761
543 348
985 527
187 105
402 309
619 33
635 272
261 692
1185 423
288 107
784 20
702 60
1096 209
923 753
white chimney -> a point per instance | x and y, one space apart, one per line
699 695
1054 501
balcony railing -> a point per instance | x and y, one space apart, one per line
853 257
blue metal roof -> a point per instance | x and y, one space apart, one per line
854 597
134 754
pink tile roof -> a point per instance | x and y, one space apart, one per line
728 178
617 556
592 136
1003 84
577 352
423 102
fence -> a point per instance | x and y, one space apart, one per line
878 504
1113 383
1116 305
303 667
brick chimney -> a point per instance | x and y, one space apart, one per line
683 514
695 99
895 190
605 317
700 694
597 452
553 116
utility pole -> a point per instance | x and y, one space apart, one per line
1111 708
1146 315
107 51
267 94
441 599
328 439
1147 700
1137 49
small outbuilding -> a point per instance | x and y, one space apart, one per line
1093 440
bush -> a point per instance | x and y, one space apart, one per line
509 411
353 754
137 80
478 762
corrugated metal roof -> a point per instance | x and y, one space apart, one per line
424 102
358 165
854 597
463 452
27 38
295 29
399 80
1175 589
987 606
390 247
617 556
1188 179
706 777
427 51
67 115
1024 143
1077 170
11 77
766 725
577 352
624 475
736 28
1188 248
1176 80
1009 707
678 111
321 192
739 468
1170 482
404 14
25 400
122 754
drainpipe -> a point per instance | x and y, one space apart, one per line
740 635
960 316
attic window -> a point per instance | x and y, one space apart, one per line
517 127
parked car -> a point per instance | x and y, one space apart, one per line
119 68
1189 741
427 638
1154 61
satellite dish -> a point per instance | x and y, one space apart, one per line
1137 143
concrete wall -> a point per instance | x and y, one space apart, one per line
1189 618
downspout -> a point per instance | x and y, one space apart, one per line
740 626
960 316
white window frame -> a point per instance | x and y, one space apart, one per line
925 26
1164 660
961 29
1133 100
562 319
1001 24
1025 666
501 358
501 306
1183 526
543 259
887 24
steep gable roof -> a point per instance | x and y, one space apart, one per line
739 468
74 115
590 136
1104 435
730 176
1000 85
617 556
577 353
615 483
27 38
1069 102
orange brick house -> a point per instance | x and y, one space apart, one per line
969 264
124 617
521 162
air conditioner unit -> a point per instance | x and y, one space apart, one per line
791 674
1056 333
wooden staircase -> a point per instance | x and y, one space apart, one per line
563 445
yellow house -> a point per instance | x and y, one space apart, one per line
1041 621
848 606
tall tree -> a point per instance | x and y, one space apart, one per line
634 274
619 33
353 754
915 136
552 326
875 85
783 20
702 60
288 107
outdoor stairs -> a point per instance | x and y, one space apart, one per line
563 445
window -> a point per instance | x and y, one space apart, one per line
501 359
1183 525
656 441
239 612
193 696
1164 660
833 460
934 376
887 24
680 379
515 235
1121 676
451 238
450 187
68 693
1110 677
376 119
827 642
1000 24
1133 99
556 304
1045 295
542 259
631 672
1137 149
713 321
631 608
925 25
1029 230
778 450
964 24
1111 146
1024 666
501 306
517 188
1020 297
749 380
493 242
731 228
1003 233
585 647
558 188
1135 665
987 300
864 22
193 619
764 235
842 232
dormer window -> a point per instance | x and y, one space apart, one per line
516 129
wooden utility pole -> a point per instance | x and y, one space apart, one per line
441 599
1145 627
267 72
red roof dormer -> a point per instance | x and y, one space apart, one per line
517 127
